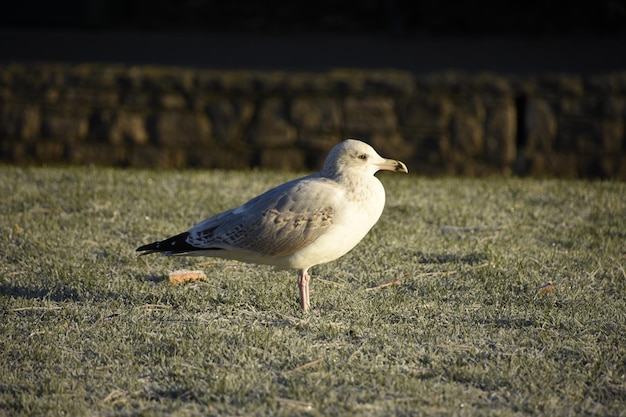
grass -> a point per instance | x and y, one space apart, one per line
436 312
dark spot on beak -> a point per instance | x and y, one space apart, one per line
401 167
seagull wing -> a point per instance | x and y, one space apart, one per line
277 223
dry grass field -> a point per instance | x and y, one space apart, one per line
470 297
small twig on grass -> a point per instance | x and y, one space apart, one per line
593 274
106 317
394 281
325 281
399 279
34 309
114 395
152 307
534 260
544 289
384 403
295 404
292 320
619 266
305 366
455 347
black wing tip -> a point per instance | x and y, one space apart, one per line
148 249
171 245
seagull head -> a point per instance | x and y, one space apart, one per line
353 156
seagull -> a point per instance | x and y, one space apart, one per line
297 225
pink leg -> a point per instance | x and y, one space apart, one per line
303 283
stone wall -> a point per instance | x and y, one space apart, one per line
451 123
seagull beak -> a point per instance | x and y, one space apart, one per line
392 165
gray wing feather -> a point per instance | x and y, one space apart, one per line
277 223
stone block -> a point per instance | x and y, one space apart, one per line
577 134
549 165
374 83
621 168
222 158
428 114
612 135
467 130
609 165
101 154
392 82
614 107
138 100
225 82
500 131
13 151
316 114
129 128
86 97
173 101
567 85
271 128
69 125
540 125
392 145
181 129
570 106
150 156
7 150
607 83
318 141
290 159
230 118
369 114
20 121
564 165
50 151
6 94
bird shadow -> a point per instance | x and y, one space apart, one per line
155 279
58 293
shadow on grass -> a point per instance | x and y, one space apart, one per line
156 279
58 293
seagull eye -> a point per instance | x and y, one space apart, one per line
363 156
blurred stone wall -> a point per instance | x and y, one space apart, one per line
450 123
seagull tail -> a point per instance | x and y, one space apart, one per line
175 245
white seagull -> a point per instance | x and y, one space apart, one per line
299 224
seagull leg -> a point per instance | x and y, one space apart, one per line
303 283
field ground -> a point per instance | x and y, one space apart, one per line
439 311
